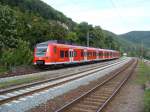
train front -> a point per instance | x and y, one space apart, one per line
42 54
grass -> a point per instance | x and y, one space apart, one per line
143 73
143 77
147 101
19 81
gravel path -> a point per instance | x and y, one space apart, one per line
129 99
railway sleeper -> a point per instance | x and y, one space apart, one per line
86 106
106 91
99 96
102 94
75 109
92 103
110 85
94 100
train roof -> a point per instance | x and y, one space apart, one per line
56 42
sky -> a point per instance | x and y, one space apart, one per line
118 16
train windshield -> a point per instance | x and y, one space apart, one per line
41 51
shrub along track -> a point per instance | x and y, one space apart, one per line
8 94
97 98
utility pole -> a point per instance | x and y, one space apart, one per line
87 38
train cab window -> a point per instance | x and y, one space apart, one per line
41 51
66 53
62 54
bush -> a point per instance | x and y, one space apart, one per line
22 55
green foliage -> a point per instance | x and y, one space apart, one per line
98 38
39 8
17 56
8 32
137 43
147 101
72 36
138 37
143 73
144 77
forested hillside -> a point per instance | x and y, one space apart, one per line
24 23
138 37
133 43
39 8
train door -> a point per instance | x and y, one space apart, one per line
103 54
85 54
71 55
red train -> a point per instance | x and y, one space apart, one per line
53 53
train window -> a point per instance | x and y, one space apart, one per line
66 53
87 53
97 54
108 54
90 53
94 53
55 49
62 54
100 54
75 54
82 54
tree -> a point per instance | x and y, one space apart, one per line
98 39
8 23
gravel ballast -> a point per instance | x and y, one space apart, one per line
130 97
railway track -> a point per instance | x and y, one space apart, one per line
97 98
9 95
58 72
